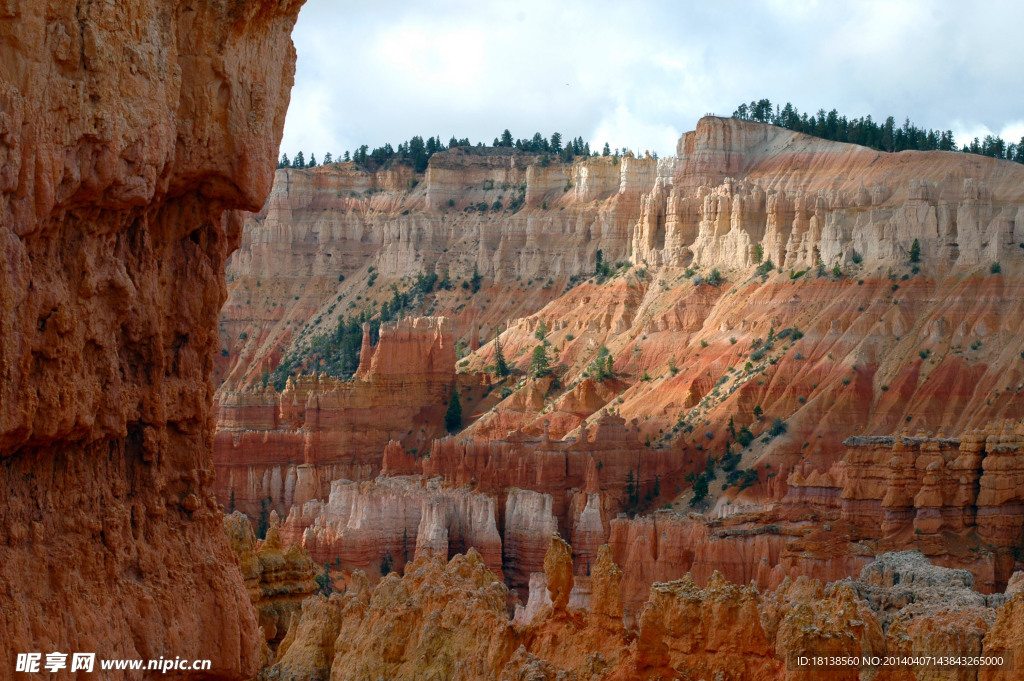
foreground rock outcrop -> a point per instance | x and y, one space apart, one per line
130 133
278 579
450 620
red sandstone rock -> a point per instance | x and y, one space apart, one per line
901 605
321 429
132 132
558 570
277 579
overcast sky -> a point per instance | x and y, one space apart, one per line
637 74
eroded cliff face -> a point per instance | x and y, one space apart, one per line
284 449
130 132
755 307
738 194
394 519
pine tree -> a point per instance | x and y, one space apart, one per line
506 138
601 368
453 417
312 161
263 523
539 363
700 490
607 151
915 251
556 142
284 162
631 490
328 158
347 157
300 161
500 365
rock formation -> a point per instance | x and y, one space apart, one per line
397 519
287 447
277 579
439 618
130 134
956 499
755 321
900 605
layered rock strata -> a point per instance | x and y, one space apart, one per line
957 499
130 133
737 194
287 447
574 486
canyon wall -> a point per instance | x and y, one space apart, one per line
762 285
130 134
287 447
739 193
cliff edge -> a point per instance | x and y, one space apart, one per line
130 132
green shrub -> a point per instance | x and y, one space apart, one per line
324 583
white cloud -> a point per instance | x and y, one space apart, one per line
636 133
636 74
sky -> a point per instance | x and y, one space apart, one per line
638 74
